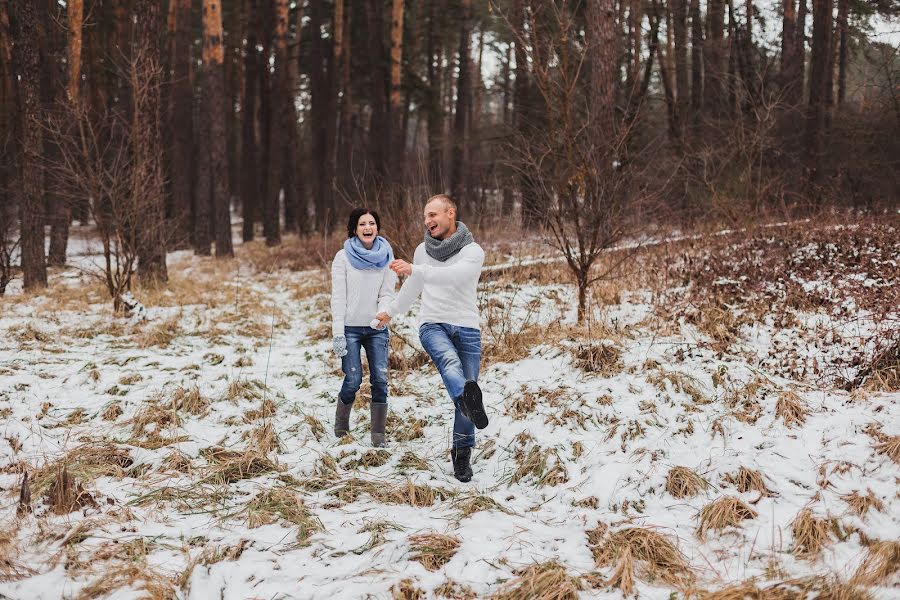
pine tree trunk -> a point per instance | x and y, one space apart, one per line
214 121
234 39
820 63
345 137
434 98
379 124
397 142
295 213
682 96
696 63
181 125
8 113
26 65
714 59
277 138
843 39
458 165
147 146
249 141
791 57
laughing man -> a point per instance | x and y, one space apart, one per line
445 270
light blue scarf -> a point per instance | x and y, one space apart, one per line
364 259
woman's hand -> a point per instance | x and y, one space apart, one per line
383 319
340 346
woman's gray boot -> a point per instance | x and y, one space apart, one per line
379 418
342 418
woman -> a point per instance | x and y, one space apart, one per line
362 286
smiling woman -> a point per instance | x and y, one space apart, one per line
362 286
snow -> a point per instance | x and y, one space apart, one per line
627 445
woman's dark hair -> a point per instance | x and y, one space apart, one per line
353 221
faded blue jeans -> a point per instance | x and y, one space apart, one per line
375 342
456 352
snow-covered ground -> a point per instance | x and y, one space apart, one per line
200 445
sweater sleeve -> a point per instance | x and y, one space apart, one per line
338 293
459 273
410 289
388 290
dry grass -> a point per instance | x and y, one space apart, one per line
680 382
471 504
455 591
412 428
433 550
861 505
371 458
727 511
881 565
153 584
543 466
189 400
639 552
791 408
228 466
83 463
283 504
161 335
264 438
522 404
410 462
818 587
541 581
682 482
747 480
266 410
601 357
890 448
404 493
810 533
154 417
406 589
111 412
376 530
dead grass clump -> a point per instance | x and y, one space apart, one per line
406 589
83 463
154 418
861 505
602 357
410 462
680 382
405 493
522 405
376 530
140 576
112 412
746 480
264 438
162 334
404 356
283 504
791 408
682 482
315 427
818 587
248 389
412 428
67 494
229 466
882 372
890 448
190 401
880 566
371 458
177 461
727 511
471 504
543 466
541 581
433 550
810 533
641 552
455 591
265 411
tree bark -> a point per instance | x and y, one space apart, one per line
434 96
791 56
682 96
397 142
26 65
8 115
214 121
379 124
249 142
696 63
458 166
820 64
295 213
345 135
280 98
148 180
714 59
843 40
181 122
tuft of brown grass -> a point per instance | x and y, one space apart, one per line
473 503
455 591
601 357
162 334
112 412
791 408
406 589
410 462
890 448
153 418
83 463
727 511
376 531
190 401
522 405
680 382
264 438
682 482
315 427
412 428
266 410
746 480
653 554
287 505
371 458
433 550
881 565
810 533
816 586
861 505
404 493
544 466
177 461
228 466
541 581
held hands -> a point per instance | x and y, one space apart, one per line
340 346
382 319
401 267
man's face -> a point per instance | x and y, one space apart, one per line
440 219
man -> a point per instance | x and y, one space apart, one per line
445 271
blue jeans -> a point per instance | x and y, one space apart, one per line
375 342
456 352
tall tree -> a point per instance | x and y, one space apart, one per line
250 189
714 58
791 55
8 113
322 114
843 40
819 80
147 187
397 141
295 212
280 99
181 122
26 65
343 42
434 41
213 78
696 62
682 97
459 169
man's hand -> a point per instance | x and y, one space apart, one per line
383 319
401 267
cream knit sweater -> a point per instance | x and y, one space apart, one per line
358 295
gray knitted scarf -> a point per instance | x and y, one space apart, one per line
443 249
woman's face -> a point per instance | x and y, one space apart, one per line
366 230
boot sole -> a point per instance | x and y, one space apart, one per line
471 400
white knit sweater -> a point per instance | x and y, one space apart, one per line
358 295
449 288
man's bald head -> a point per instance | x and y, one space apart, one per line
444 200
440 216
